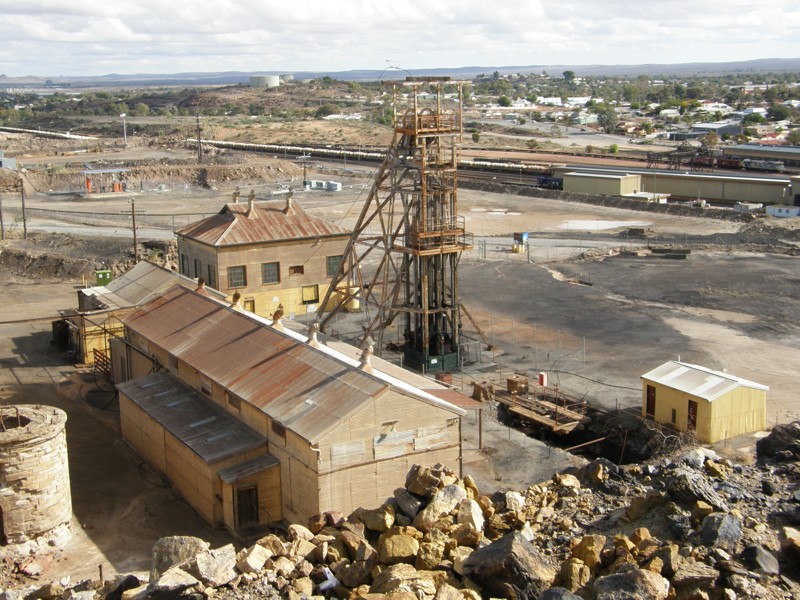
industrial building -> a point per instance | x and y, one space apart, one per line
599 184
272 253
692 185
713 404
256 424
101 308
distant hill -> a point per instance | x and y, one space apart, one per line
763 65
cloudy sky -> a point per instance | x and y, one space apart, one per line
93 37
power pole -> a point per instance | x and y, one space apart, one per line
199 147
135 240
24 218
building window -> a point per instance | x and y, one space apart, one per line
310 294
237 277
184 265
198 268
270 272
333 265
211 280
250 305
296 270
674 416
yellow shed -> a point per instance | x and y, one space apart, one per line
713 404
602 184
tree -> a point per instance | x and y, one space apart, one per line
607 118
504 101
710 140
569 76
476 136
326 110
793 137
613 149
754 118
778 112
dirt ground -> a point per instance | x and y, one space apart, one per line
593 320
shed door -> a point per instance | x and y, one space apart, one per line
650 409
691 421
246 507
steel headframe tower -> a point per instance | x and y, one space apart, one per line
401 261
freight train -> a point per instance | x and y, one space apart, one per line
747 164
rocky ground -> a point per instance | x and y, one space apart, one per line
689 526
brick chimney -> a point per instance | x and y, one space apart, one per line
237 304
313 329
201 286
251 211
276 318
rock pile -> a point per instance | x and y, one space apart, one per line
693 527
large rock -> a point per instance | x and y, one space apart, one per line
408 503
441 505
430 554
694 575
721 531
589 550
299 532
273 544
574 574
510 567
171 583
396 548
215 568
761 559
783 442
689 486
630 583
423 481
359 572
558 593
403 578
174 550
790 543
470 513
252 559
380 519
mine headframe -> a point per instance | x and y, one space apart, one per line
401 263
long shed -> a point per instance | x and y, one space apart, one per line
343 433
714 404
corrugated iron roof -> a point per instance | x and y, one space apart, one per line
301 387
698 381
247 468
137 285
206 428
270 222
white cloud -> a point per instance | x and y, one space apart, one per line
48 37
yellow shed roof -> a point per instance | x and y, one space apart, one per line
698 381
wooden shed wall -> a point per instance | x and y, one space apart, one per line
743 410
268 483
368 456
144 434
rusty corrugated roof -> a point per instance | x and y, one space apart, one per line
303 388
136 286
270 223
206 428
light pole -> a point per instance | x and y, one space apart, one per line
124 129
